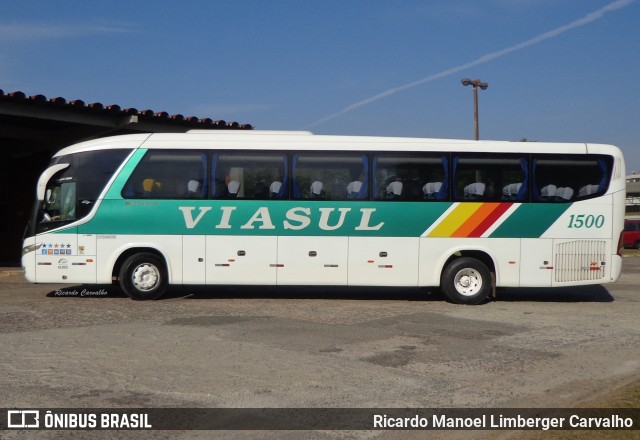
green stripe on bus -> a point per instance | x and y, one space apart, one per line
530 220
263 217
297 218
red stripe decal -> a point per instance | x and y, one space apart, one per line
500 209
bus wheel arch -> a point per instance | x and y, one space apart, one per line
142 273
468 277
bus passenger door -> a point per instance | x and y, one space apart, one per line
536 262
312 260
193 259
241 259
383 261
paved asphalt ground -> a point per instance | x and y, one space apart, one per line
91 347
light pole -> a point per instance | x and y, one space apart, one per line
475 83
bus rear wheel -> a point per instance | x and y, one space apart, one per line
143 276
466 281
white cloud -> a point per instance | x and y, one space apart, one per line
587 19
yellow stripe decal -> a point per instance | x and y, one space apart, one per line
455 219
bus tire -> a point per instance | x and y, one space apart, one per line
143 276
466 281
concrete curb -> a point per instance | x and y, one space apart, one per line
9 271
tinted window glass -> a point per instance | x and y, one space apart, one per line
91 170
249 175
166 174
330 176
568 178
70 194
410 177
489 178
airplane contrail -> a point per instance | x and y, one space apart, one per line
587 19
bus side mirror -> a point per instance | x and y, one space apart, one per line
45 177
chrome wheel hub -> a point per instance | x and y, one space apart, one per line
146 277
468 282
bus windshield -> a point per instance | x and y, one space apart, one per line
71 192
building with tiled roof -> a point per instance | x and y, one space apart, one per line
33 128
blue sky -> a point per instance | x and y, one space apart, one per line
558 70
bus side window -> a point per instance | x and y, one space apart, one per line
330 176
410 177
167 174
490 177
569 178
249 175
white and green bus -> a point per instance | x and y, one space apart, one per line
293 208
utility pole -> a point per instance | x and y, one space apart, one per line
483 85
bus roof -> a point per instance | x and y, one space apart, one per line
295 140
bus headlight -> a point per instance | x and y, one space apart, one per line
31 248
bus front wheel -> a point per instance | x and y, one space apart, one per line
466 281
143 276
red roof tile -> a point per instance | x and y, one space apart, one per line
97 107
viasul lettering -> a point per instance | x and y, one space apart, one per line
297 218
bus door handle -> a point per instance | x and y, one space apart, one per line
313 254
383 254
241 253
